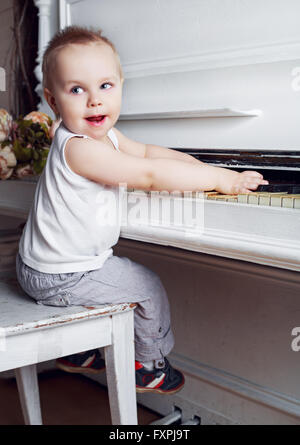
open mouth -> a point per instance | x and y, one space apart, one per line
96 120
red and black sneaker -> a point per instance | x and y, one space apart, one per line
166 380
89 362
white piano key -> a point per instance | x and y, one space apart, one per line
276 201
253 199
288 202
297 203
243 198
264 200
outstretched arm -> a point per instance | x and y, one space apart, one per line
155 151
174 170
151 151
98 162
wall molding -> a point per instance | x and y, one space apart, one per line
244 388
214 262
228 57
188 114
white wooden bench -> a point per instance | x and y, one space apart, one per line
31 333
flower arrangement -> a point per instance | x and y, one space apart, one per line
24 144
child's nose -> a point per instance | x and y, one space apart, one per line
94 102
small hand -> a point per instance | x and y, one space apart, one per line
233 183
249 180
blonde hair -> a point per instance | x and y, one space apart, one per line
69 35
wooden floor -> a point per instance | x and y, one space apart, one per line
66 399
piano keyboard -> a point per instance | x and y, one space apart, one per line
285 200
280 168
279 199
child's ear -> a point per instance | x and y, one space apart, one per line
51 100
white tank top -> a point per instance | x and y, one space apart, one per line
73 222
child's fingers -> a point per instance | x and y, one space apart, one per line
253 174
252 184
244 190
256 181
249 182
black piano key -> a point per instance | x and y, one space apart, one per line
296 189
277 188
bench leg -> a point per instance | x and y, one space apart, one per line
120 371
29 394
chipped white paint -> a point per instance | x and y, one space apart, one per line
36 333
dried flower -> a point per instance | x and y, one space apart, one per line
31 140
24 144
40 118
7 162
24 170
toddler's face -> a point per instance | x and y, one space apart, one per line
87 89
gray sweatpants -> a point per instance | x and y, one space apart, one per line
119 280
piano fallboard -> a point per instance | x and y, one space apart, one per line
259 159
260 234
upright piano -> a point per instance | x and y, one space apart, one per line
261 227
232 277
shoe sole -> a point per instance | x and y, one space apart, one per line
140 389
78 370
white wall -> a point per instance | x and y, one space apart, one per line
202 54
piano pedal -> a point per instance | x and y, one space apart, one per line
174 418
194 421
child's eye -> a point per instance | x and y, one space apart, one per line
106 86
76 90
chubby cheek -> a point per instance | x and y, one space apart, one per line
66 102
115 106
70 110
